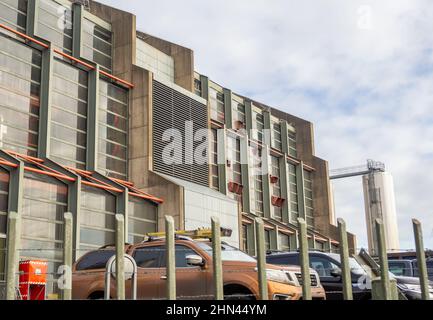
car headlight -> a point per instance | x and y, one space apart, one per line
279 276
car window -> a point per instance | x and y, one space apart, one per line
397 268
322 266
150 257
95 260
283 260
181 253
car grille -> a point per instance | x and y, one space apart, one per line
312 277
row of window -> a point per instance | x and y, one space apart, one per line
20 76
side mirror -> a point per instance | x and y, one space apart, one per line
336 272
194 260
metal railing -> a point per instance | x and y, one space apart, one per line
383 286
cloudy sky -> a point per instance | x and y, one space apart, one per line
361 71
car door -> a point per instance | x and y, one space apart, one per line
190 280
150 271
331 284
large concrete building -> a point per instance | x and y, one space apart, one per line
86 105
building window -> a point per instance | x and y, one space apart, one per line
45 201
214 170
216 102
293 189
256 180
320 246
234 159
308 192
97 45
55 24
238 110
197 87
276 135
20 76
276 186
267 240
258 125
69 115
97 223
113 130
292 143
13 13
4 198
283 242
142 219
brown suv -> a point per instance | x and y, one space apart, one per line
194 279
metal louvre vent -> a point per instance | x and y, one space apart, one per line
171 110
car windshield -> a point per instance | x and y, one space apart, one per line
355 267
228 253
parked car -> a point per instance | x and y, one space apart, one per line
409 267
194 277
328 266
409 287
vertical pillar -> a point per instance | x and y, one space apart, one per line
228 114
45 104
170 258
383 259
261 259
285 192
204 87
344 259
122 200
74 206
420 255
245 168
248 116
92 120
301 190
222 160
304 259
67 255
77 12
216 259
120 260
32 17
266 183
12 255
284 137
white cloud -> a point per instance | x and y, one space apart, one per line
368 91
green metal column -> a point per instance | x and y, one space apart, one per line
273 238
222 160
67 255
77 19
32 17
266 183
245 172
228 108
284 137
284 186
120 261
16 184
45 104
420 255
12 254
204 87
383 258
92 120
74 206
216 259
301 190
267 136
294 241
248 116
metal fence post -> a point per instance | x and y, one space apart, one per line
261 259
344 258
67 255
304 259
383 259
216 257
120 261
421 262
171 258
12 255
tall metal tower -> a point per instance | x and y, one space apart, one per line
379 199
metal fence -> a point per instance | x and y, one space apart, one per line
383 287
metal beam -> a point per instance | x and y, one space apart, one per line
92 120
